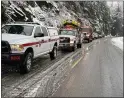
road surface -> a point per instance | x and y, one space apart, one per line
14 84
96 72
99 74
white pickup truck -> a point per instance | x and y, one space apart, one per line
69 39
22 42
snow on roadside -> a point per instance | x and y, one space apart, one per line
118 42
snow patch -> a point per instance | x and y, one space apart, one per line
118 42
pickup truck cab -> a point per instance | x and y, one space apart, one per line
22 42
69 39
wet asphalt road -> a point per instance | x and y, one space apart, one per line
12 79
98 74
14 84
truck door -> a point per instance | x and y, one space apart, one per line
46 39
54 36
77 36
40 46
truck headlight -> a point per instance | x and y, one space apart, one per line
16 47
71 42
88 35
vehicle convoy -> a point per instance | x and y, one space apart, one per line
87 33
22 42
69 34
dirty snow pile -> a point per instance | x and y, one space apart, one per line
118 42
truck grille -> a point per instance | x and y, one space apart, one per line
5 47
64 40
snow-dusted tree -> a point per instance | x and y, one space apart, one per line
98 13
117 20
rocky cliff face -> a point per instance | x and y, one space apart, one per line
53 13
49 13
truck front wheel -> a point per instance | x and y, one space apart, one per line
88 40
26 65
79 45
53 53
73 48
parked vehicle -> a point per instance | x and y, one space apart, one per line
103 35
95 35
22 42
87 33
100 35
70 37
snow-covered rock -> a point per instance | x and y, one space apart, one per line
37 14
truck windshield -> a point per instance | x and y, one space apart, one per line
17 29
67 32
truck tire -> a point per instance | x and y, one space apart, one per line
79 45
53 53
26 65
88 40
73 47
